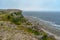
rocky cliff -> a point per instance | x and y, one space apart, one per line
14 26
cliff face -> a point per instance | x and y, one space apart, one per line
11 25
14 26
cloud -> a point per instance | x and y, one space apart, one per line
32 5
49 5
9 4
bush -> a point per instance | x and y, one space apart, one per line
28 23
8 17
33 31
44 37
14 20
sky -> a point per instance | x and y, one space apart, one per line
31 5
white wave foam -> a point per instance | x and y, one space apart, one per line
48 22
51 23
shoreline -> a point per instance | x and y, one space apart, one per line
49 29
56 26
57 37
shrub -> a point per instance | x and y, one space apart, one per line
44 37
14 20
33 31
8 17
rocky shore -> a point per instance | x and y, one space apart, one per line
46 27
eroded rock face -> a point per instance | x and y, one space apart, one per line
16 35
9 18
8 31
7 24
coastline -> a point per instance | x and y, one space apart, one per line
49 29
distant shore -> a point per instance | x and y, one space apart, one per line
49 29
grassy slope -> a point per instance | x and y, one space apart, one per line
18 19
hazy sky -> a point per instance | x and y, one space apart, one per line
31 5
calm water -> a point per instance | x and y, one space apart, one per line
53 17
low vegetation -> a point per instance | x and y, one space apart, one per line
18 19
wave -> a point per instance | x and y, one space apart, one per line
48 22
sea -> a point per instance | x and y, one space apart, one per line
50 17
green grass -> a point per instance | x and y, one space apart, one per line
29 30
35 32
